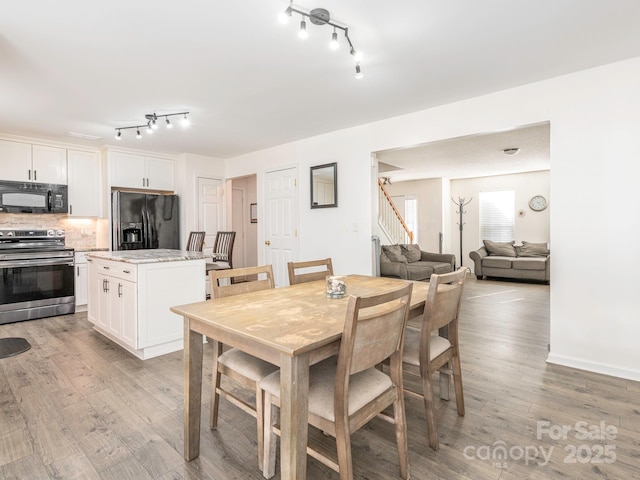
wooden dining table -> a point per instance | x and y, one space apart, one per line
292 327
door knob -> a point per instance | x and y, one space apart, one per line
267 242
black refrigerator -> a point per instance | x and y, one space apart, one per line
140 220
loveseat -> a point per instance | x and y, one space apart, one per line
529 261
408 262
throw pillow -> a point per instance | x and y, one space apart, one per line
533 249
504 249
394 252
411 252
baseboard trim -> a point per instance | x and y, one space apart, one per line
594 367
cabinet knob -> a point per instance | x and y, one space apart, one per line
267 242
126 271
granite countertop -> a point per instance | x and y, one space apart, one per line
91 249
150 256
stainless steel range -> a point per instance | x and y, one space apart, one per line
36 275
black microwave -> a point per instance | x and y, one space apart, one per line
27 197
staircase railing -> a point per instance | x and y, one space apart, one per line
390 219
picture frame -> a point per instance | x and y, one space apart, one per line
324 185
253 212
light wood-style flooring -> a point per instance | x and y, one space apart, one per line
77 406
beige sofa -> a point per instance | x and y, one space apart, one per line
529 261
410 263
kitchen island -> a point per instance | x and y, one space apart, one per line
131 291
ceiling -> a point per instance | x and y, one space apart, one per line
470 156
250 83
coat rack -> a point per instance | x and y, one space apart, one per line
461 203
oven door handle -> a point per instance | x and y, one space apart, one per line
40 262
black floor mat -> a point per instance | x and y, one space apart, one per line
13 346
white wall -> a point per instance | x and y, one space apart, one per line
530 227
430 220
594 145
188 168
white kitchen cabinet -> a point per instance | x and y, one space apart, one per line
81 284
103 310
116 301
122 298
93 292
160 173
15 160
129 303
84 173
24 162
138 171
49 164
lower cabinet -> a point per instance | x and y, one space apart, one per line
80 276
129 303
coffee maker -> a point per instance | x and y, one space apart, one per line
131 236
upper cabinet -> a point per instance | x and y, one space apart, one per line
130 170
15 160
49 164
23 162
84 184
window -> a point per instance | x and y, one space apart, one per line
497 216
411 216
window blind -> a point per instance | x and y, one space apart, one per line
497 216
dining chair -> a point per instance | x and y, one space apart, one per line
307 276
244 369
434 346
195 242
222 255
223 249
346 391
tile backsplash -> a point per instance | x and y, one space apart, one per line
80 232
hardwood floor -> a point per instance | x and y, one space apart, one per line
76 406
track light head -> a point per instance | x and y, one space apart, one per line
138 133
334 40
358 71
302 33
286 15
119 135
169 125
149 129
185 121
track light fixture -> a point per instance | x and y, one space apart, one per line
320 16
152 123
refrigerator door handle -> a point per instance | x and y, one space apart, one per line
116 221
145 234
149 230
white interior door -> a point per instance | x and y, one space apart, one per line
210 209
281 221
